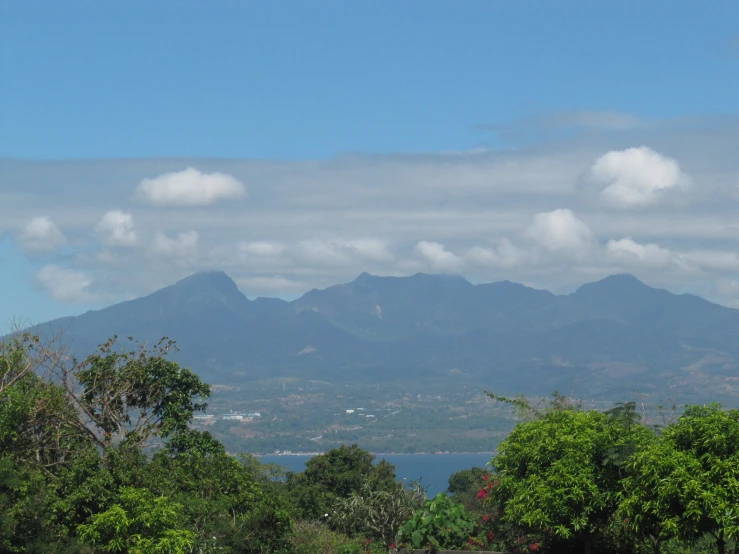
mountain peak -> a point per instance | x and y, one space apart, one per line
214 279
616 284
622 279
364 277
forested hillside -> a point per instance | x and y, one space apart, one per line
605 340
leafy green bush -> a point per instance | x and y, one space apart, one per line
439 524
375 514
141 523
314 537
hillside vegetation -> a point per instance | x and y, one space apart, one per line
605 340
98 455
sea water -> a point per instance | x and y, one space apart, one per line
432 470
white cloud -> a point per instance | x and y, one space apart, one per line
316 251
190 187
116 228
603 120
631 253
437 257
727 288
340 252
369 249
560 232
716 260
505 255
635 177
41 235
480 204
262 249
185 245
65 285
255 286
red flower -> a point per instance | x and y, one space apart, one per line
485 477
534 547
482 494
486 518
491 536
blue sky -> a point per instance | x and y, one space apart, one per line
322 109
305 80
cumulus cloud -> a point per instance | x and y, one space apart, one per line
561 232
320 252
65 285
263 249
369 249
628 252
41 235
437 257
635 177
505 255
254 286
184 245
483 206
715 260
339 252
728 288
116 228
190 187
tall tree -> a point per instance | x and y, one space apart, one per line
687 483
336 474
132 396
557 474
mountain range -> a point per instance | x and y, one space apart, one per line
610 337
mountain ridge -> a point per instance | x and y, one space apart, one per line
426 326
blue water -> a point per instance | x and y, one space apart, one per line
433 470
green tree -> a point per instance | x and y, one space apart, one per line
221 496
377 514
440 523
464 486
78 460
132 396
140 524
557 475
336 474
687 483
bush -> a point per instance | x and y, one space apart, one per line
313 537
439 524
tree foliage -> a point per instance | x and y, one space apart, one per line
439 524
686 484
98 456
139 524
334 475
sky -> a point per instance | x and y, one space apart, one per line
295 145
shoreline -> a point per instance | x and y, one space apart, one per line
380 453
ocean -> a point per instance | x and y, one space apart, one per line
433 470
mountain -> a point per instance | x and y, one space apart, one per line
608 337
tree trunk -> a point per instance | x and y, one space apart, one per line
721 544
656 545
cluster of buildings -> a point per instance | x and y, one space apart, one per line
231 416
359 412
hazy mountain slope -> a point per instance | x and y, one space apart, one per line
609 335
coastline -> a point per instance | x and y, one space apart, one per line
380 453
